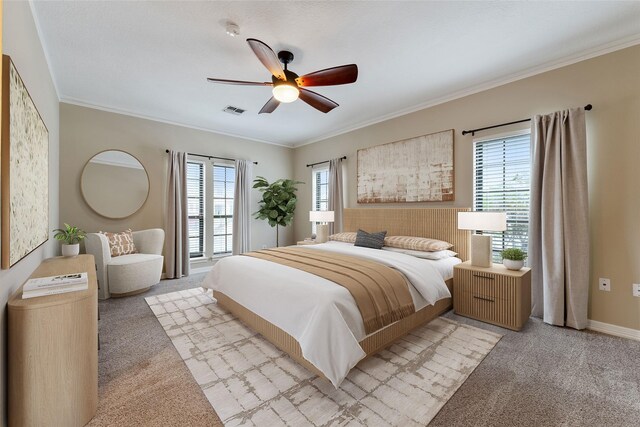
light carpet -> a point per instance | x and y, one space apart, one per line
248 381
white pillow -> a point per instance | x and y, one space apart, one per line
433 255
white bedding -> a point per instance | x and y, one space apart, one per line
445 266
321 315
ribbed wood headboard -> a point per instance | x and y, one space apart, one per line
437 223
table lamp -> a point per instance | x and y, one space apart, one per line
481 244
322 229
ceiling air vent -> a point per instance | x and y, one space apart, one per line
233 110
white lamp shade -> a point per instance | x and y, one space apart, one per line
485 221
321 216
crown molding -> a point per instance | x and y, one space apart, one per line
86 104
45 50
549 66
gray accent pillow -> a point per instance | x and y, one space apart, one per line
370 240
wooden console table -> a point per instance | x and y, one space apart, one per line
53 351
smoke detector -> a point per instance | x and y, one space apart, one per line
232 29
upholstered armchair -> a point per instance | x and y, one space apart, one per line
127 274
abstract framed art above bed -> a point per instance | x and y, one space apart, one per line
419 169
24 170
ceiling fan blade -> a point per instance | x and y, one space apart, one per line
317 101
239 82
341 75
270 106
268 57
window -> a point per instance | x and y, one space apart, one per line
195 208
210 208
320 196
501 182
223 186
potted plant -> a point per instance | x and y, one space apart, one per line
71 237
278 202
513 258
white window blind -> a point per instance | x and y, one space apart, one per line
320 191
195 208
501 183
223 185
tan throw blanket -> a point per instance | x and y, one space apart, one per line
381 293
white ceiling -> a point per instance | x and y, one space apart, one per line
152 59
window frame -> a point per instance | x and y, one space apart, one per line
208 205
315 170
229 250
202 215
506 135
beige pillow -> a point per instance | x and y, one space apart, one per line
346 237
121 243
416 243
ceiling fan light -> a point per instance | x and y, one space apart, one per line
285 93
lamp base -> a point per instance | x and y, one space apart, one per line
322 233
481 251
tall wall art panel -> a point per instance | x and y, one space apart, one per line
24 170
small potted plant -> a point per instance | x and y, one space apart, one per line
513 258
71 237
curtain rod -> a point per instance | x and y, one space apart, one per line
587 107
213 157
326 161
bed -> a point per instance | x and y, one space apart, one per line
315 322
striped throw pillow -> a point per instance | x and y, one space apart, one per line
121 243
416 243
346 237
370 240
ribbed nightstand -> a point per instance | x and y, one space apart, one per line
493 295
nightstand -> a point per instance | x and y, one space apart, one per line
494 295
307 242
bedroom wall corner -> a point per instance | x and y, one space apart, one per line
20 40
86 131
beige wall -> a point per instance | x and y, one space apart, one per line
612 84
87 131
20 41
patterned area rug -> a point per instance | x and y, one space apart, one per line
248 381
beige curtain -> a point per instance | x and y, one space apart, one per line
559 231
242 207
177 220
335 194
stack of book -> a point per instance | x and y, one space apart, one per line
53 285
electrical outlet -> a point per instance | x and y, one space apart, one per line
264 246
604 284
636 289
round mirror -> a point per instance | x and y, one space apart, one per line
114 184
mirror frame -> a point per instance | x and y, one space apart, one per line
115 217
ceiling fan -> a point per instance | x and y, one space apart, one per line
288 86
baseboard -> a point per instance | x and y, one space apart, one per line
192 271
618 331
201 269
